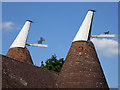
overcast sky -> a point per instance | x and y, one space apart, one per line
58 23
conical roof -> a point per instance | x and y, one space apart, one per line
20 54
81 68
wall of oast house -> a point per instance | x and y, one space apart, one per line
81 68
20 54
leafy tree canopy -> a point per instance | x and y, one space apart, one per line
53 64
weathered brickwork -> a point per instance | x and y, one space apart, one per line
20 54
82 68
16 74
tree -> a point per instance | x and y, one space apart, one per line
42 65
53 64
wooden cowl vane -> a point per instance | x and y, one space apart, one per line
82 68
18 50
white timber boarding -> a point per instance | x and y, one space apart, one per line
21 39
83 32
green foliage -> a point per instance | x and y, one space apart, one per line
53 64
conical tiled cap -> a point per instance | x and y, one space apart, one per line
81 68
